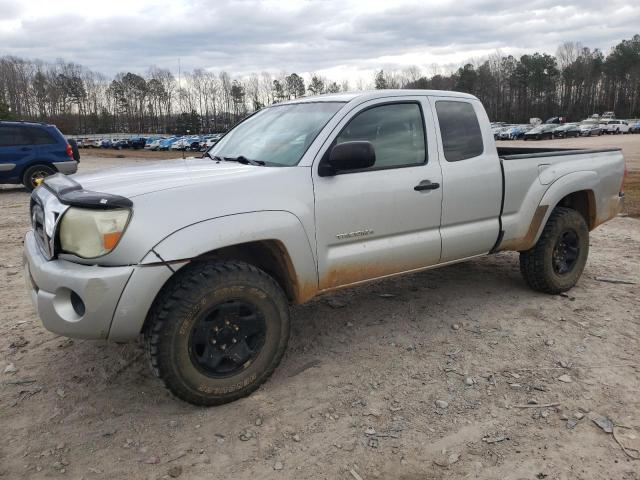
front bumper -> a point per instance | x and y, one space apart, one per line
89 301
55 287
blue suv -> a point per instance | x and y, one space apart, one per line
31 151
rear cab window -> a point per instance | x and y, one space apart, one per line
459 130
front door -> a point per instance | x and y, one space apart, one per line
385 219
15 150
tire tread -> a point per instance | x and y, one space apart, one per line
532 261
175 297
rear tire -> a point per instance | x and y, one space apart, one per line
217 332
557 260
35 174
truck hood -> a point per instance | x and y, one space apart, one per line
142 179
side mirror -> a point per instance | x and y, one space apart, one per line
348 156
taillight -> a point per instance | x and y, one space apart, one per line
69 151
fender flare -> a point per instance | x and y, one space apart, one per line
560 188
232 230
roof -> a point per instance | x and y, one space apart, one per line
22 122
373 94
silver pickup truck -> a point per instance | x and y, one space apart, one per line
204 256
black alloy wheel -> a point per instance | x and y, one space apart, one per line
226 338
566 252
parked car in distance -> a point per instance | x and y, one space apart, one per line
118 144
166 143
209 142
541 132
518 132
29 152
204 256
194 144
567 130
590 129
180 144
614 127
136 143
154 144
557 120
505 132
634 127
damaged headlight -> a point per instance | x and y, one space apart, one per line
90 233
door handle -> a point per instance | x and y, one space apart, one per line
426 185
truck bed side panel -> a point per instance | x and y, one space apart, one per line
534 185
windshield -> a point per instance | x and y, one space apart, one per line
278 135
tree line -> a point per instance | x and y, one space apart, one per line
576 82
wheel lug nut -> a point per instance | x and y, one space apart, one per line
213 342
234 340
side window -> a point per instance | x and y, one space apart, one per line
11 135
460 130
396 132
39 136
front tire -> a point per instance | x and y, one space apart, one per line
217 332
557 260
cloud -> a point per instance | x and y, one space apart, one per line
10 9
332 35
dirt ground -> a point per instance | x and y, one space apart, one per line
443 374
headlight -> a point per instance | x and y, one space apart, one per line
92 233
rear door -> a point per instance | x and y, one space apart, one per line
374 222
472 178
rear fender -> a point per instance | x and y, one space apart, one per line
563 186
558 185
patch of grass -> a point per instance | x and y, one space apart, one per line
632 194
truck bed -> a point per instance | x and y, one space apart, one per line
535 179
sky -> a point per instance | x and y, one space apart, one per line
341 39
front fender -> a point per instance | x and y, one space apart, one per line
282 226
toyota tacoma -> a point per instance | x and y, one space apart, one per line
204 256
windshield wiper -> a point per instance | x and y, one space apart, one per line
245 161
